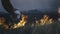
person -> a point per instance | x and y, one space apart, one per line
14 13
52 4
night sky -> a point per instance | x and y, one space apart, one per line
34 4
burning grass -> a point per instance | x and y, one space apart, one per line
45 20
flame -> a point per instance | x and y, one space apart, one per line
37 23
58 10
21 23
59 13
3 24
46 20
32 25
2 20
58 19
51 21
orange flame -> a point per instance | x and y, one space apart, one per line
2 20
59 13
2 23
58 10
46 20
21 23
58 19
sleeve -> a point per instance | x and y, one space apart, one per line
7 6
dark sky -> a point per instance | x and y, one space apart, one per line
33 4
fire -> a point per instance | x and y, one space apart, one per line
59 13
32 25
58 19
2 20
46 20
58 10
2 23
51 21
21 23
37 23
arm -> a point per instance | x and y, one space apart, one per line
7 6
15 14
